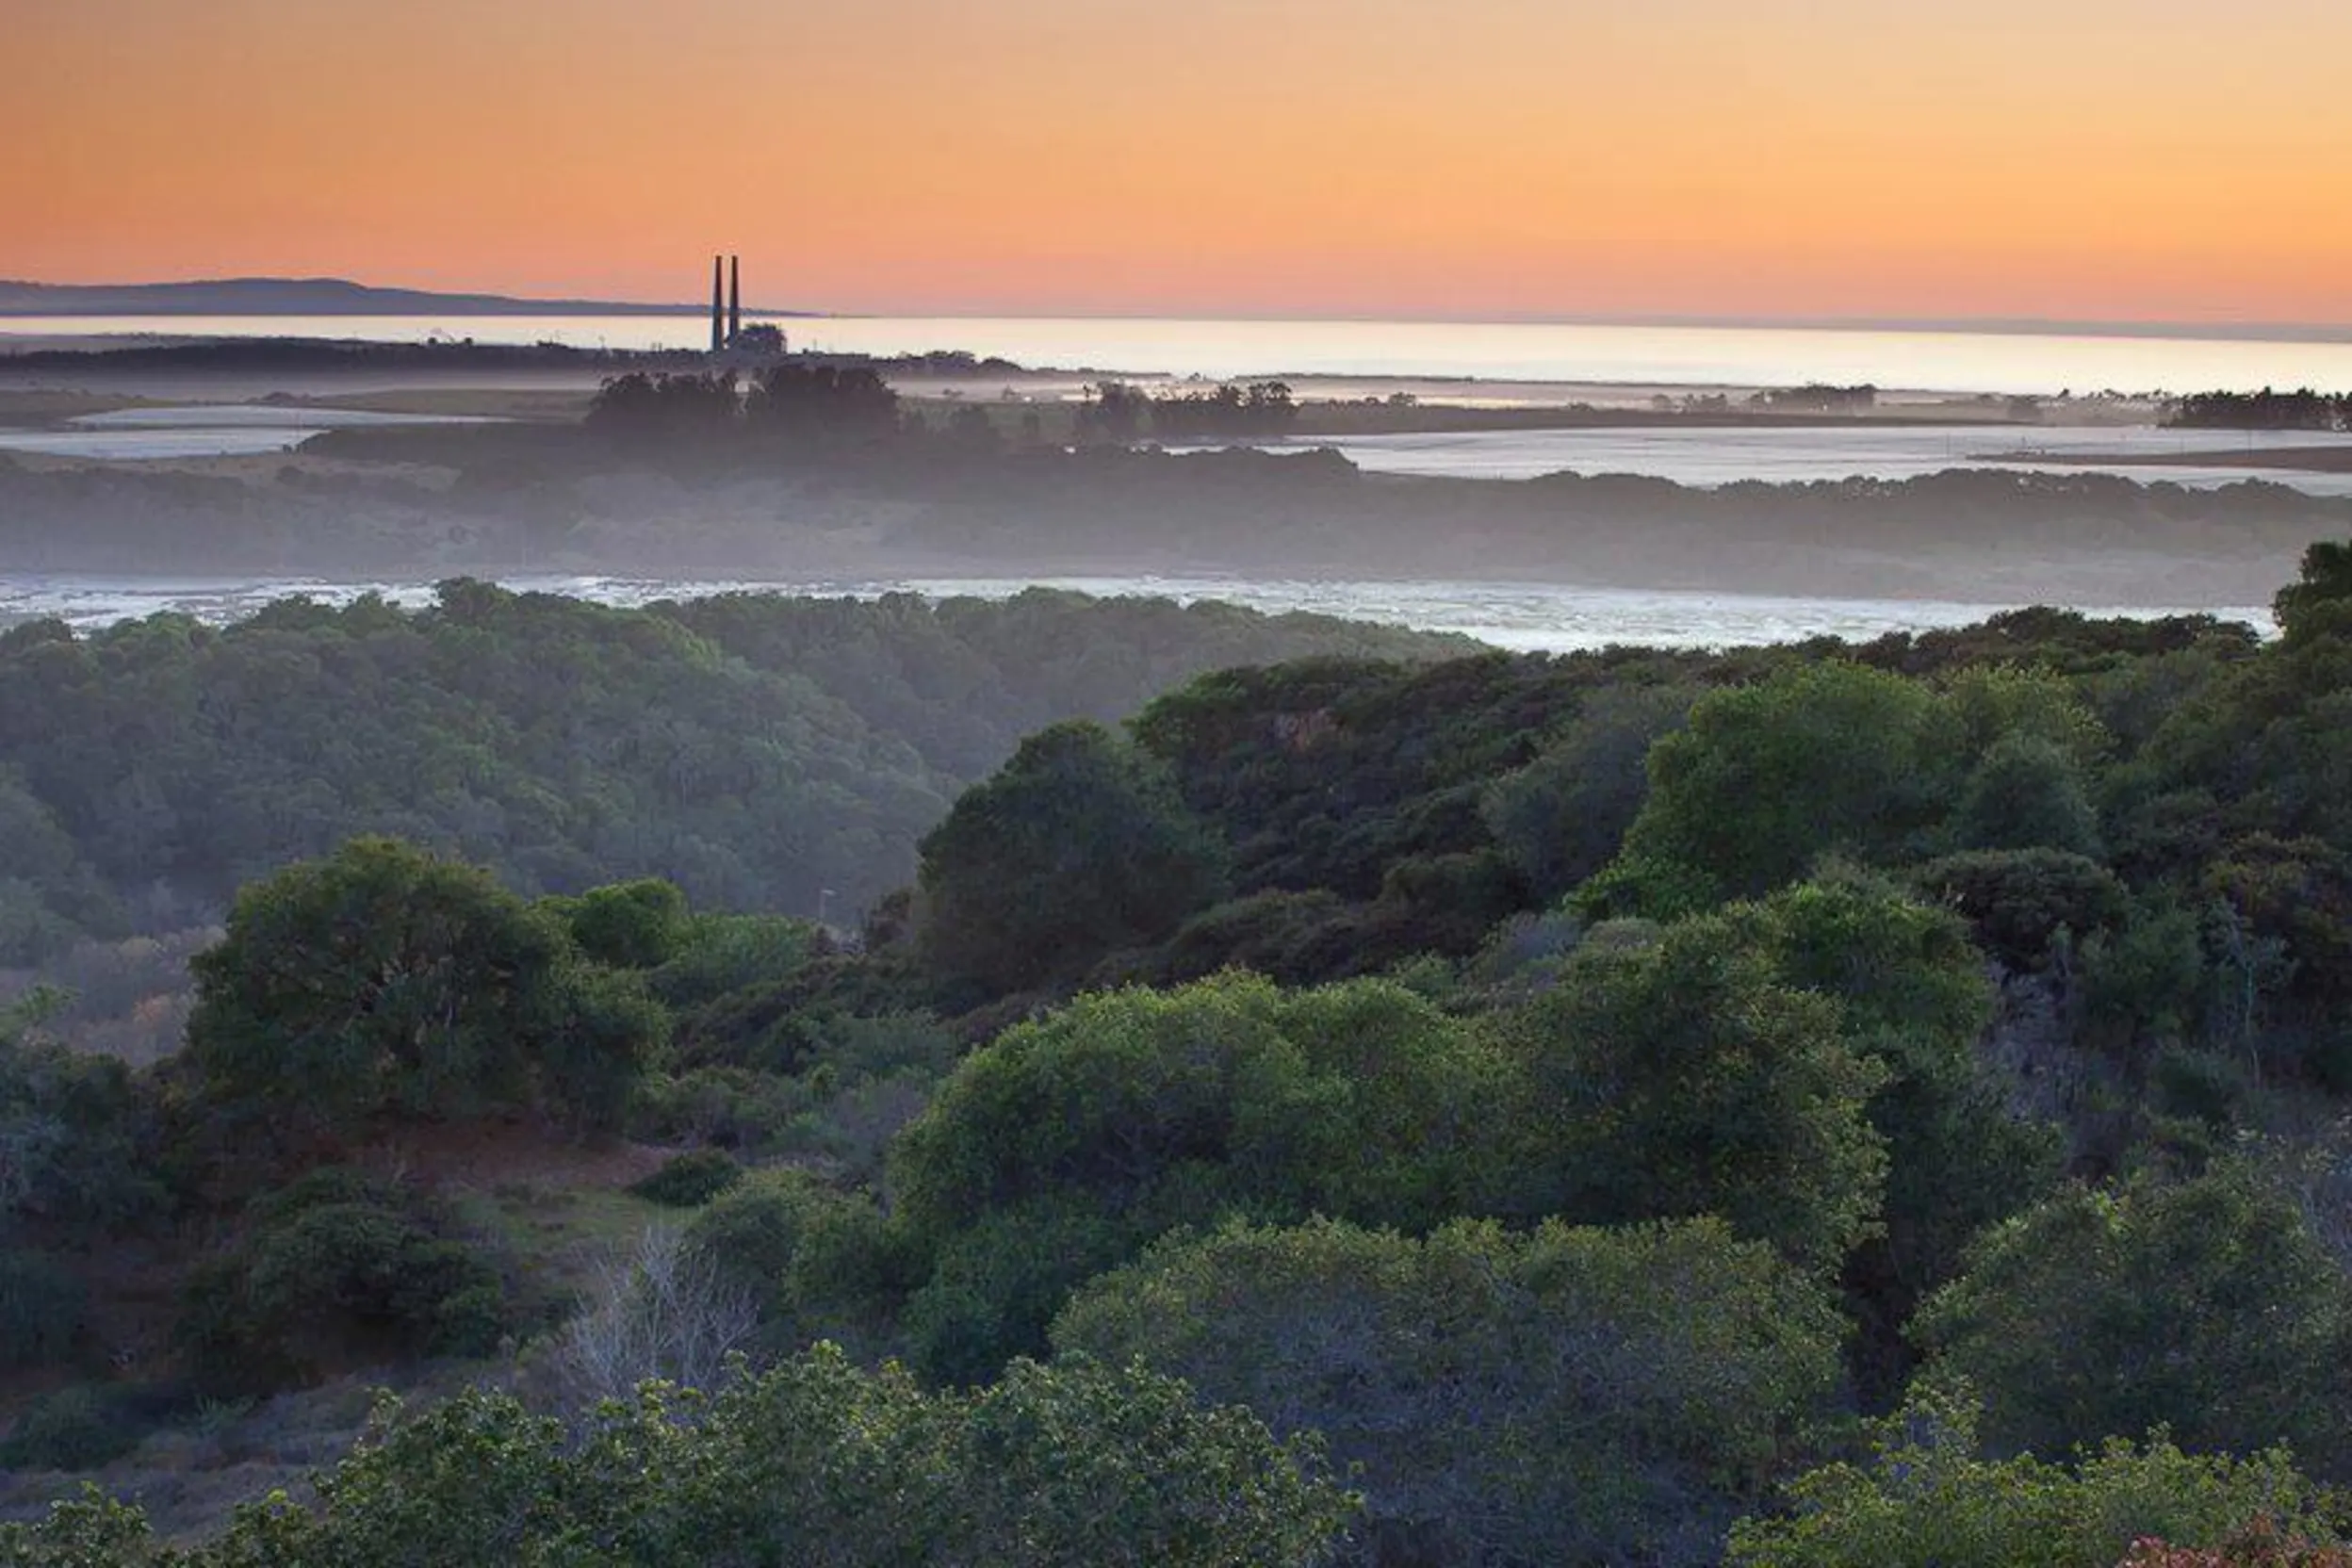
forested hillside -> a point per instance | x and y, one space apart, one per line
757 750
1813 1107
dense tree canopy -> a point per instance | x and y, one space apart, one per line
2206 1307
816 1462
755 749
1068 1144
1076 848
1681 1077
383 981
1566 1395
1650 1054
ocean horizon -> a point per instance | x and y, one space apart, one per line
1994 358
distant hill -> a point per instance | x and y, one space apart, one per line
300 297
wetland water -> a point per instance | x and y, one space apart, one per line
1525 616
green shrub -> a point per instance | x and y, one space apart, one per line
817 1261
1685 1077
690 1179
816 1460
1070 1141
79 1427
384 982
1765 779
2027 794
2018 901
335 1269
2208 1307
42 1309
638 924
1925 1499
731 1107
993 1288
1565 1396
89 1530
2146 977
1077 847
1561 817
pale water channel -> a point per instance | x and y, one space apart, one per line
1524 616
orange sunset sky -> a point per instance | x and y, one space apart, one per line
2087 160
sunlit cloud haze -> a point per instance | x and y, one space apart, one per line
1468 158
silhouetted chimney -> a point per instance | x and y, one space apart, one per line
734 298
718 323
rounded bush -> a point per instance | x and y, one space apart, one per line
78 1428
690 1179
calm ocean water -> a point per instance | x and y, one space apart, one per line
1640 355
1525 617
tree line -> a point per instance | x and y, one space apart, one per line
755 749
1822 1105
2302 409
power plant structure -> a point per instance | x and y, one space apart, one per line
734 346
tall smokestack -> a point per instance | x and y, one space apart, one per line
734 298
718 323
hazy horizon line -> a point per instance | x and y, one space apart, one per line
2007 325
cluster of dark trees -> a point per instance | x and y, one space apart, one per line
956 499
796 401
754 749
1813 1106
2303 409
1816 397
1121 413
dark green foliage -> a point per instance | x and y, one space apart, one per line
79 1427
2298 894
1913 997
815 1462
2095 869
755 749
639 924
818 1262
42 1308
690 1179
1684 1077
2315 605
1563 816
48 893
1076 848
1071 1142
1279 935
2207 1306
1925 1499
2145 978
76 1157
2027 794
91 1530
992 1288
2017 902
1569 1396
1768 779
383 982
335 1269
716 957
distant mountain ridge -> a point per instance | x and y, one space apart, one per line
301 297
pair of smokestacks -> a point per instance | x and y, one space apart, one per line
726 327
